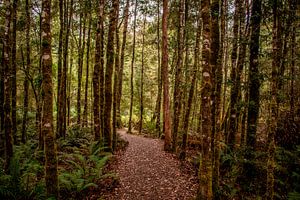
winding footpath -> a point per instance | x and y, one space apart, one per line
148 173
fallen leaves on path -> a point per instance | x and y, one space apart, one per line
148 172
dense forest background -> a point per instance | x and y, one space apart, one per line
218 81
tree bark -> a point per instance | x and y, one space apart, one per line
165 78
142 78
98 69
85 107
115 89
191 92
7 87
120 75
14 72
28 66
205 169
108 73
47 94
254 86
132 70
177 102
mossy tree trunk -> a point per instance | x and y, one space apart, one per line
205 169
165 78
115 88
98 69
7 87
14 71
27 69
254 86
110 55
47 97
177 96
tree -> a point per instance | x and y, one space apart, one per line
108 73
98 69
47 94
132 69
142 77
115 88
165 78
28 64
178 76
191 92
120 75
14 71
205 169
7 86
254 86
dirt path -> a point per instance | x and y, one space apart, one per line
147 172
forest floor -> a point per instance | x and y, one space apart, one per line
147 172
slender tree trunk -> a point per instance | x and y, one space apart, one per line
276 43
293 58
178 76
165 78
47 90
59 124
254 86
159 78
216 65
108 73
69 97
85 107
14 72
28 66
233 126
132 69
97 72
191 92
120 75
7 87
142 78
115 89
205 169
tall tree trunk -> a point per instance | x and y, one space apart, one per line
142 78
165 78
47 90
59 124
293 58
97 72
28 66
7 87
14 72
120 75
69 97
132 69
81 46
159 78
115 89
216 65
178 76
254 86
191 92
85 107
233 126
108 73
276 43
205 169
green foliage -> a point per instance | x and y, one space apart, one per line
82 172
22 182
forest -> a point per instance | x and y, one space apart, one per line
149 99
